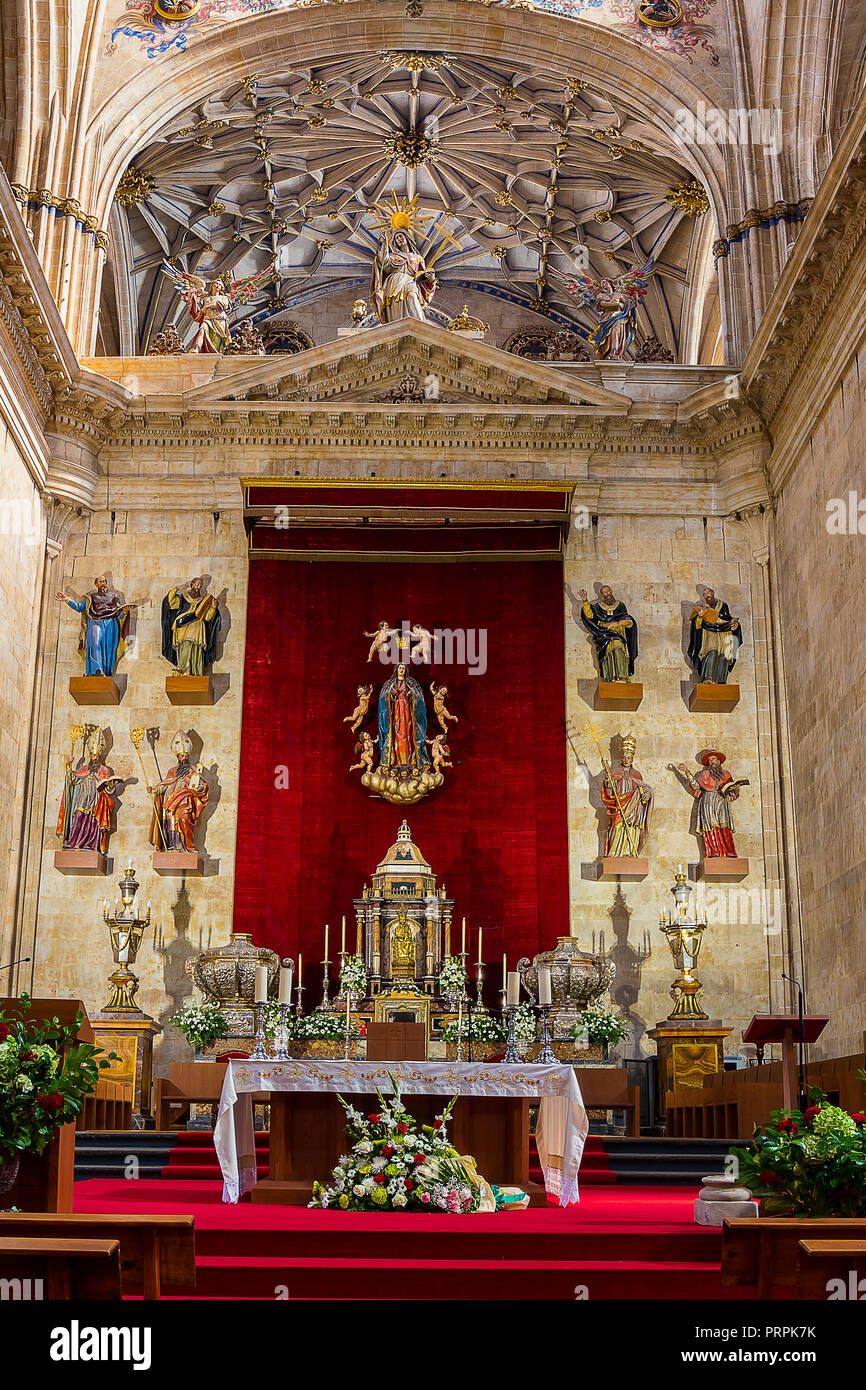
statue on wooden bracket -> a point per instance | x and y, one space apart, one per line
715 789
178 800
614 634
101 642
86 806
191 624
714 642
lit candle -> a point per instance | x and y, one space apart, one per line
261 984
326 941
544 996
463 938
343 938
285 984
679 868
480 929
512 988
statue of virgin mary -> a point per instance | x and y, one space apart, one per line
402 727
401 284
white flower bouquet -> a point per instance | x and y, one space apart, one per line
452 976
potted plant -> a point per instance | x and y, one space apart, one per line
201 1023
808 1163
600 1025
45 1078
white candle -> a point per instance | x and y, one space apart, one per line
480 929
261 984
326 941
679 868
343 938
300 969
512 988
463 938
504 969
285 984
544 995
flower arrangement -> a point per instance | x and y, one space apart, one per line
482 1028
42 1086
324 1025
600 1024
525 1023
397 1165
808 1163
452 976
272 1020
353 977
201 1022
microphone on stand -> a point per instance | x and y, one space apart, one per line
801 1074
20 961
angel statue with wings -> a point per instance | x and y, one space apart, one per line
209 302
616 303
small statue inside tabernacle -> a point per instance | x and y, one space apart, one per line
714 789
191 624
87 802
629 803
614 633
178 800
104 623
402 946
714 639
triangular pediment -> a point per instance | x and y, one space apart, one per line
401 363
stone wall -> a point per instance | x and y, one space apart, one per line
655 565
145 553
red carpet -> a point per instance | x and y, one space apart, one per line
619 1243
193 1158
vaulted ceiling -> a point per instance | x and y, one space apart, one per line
528 175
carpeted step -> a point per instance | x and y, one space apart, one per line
221 1276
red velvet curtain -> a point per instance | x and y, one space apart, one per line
496 833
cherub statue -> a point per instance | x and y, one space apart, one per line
423 650
359 713
440 752
384 632
440 694
208 304
366 746
615 302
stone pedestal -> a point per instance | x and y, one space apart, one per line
706 698
131 1036
189 690
178 861
624 695
722 1196
688 1050
722 870
95 690
79 861
624 866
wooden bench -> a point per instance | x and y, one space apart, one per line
188 1084
154 1250
109 1108
607 1088
68 1269
762 1251
821 1261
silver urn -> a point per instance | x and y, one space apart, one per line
227 975
577 979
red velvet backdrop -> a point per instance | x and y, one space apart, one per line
496 833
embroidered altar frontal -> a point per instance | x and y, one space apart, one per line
309 835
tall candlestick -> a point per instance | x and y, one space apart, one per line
261 984
512 997
480 957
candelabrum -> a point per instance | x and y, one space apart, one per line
281 1037
326 985
350 999
259 1052
479 986
511 1053
546 1054
684 935
126 930
299 992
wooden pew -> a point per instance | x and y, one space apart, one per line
762 1251
607 1088
154 1250
68 1269
820 1261
109 1108
188 1084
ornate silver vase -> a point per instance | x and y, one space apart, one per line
577 978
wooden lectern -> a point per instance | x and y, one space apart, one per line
396 1042
44 1182
785 1029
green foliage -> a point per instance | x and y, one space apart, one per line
808 1163
45 1078
201 1023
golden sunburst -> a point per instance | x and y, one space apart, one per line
403 215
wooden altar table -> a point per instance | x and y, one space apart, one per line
490 1120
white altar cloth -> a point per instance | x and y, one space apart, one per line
560 1133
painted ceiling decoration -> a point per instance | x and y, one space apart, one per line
527 173
675 27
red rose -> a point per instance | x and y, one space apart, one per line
379 1178
858 1117
788 1126
809 1115
387 1151
420 1158
374 1119
52 1102
767 1178
4 1031
408 1184
28 1056
437 1124
402 1129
